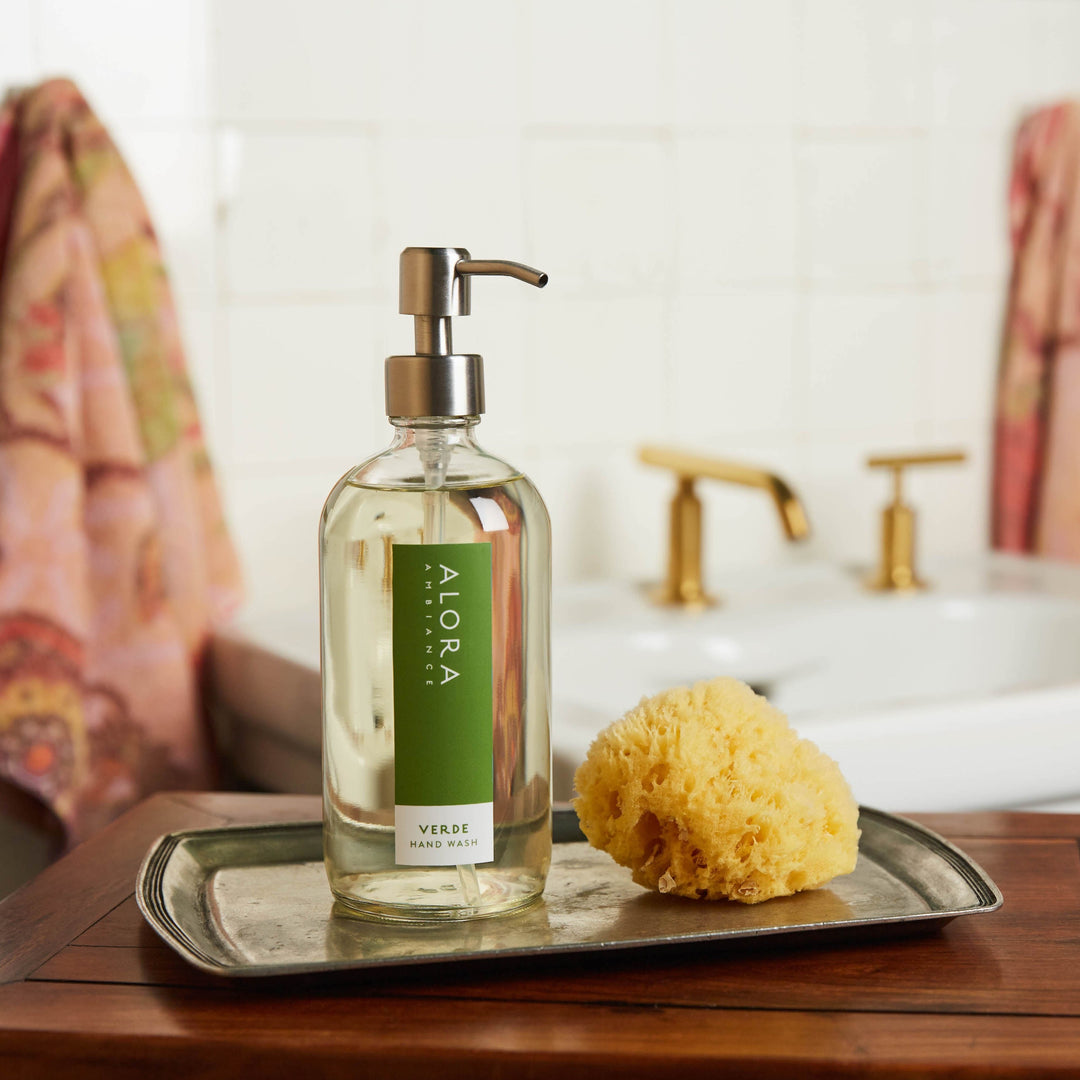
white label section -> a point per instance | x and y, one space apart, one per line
444 835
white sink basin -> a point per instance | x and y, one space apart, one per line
964 697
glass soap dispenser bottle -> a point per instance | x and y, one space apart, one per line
435 580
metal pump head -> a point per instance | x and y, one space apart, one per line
434 286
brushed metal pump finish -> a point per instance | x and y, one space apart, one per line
434 285
450 385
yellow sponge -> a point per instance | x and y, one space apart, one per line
706 792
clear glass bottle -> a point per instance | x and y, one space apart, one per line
435 579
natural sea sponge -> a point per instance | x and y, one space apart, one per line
706 792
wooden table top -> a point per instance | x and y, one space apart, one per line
87 988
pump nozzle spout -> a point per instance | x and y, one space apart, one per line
503 268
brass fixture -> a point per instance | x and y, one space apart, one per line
683 586
897 570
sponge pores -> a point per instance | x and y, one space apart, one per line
707 792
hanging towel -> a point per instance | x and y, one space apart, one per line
114 557
1036 492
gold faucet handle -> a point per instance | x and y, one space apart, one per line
899 462
897 570
928 457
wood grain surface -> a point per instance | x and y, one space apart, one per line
89 989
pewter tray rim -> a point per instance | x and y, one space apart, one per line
163 916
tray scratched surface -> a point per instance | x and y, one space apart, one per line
254 901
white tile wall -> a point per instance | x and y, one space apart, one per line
953 501
966 192
18 43
867 361
139 62
775 231
963 353
472 199
983 62
736 208
864 65
441 64
598 369
301 388
732 65
733 361
598 63
275 519
1055 25
310 63
296 216
864 218
600 211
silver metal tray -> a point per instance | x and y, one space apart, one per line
253 901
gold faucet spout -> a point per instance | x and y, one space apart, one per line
792 514
684 585
692 466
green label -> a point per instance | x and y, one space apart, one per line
442 674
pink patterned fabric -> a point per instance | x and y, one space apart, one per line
1036 505
114 558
